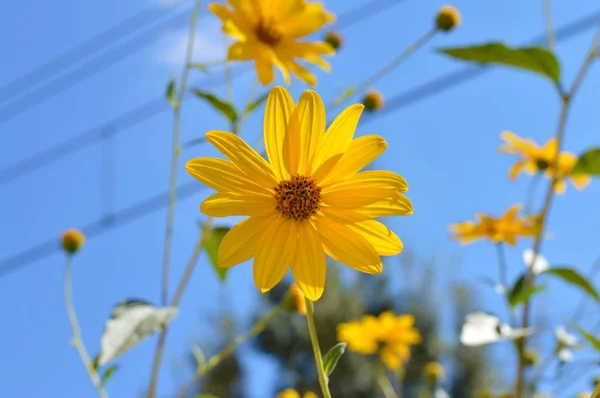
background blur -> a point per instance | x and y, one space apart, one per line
86 142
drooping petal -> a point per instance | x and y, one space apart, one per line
239 244
309 265
240 51
361 152
347 246
263 63
223 176
397 205
243 156
516 169
385 242
275 253
337 138
227 204
580 181
278 112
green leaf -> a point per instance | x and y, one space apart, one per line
108 373
200 67
211 245
590 338
535 59
520 294
224 107
331 359
588 163
170 93
574 278
256 103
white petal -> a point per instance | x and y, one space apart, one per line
565 355
480 328
541 264
565 338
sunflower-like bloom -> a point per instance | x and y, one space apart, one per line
267 31
535 159
388 335
504 229
308 200
291 393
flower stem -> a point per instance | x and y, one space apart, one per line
76 340
566 99
312 331
384 382
226 352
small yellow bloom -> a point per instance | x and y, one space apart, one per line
373 100
72 240
334 39
434 371
534 159
297 299
504 229
291 393
447 19
388 335
309 200
268 31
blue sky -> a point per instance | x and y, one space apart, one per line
445 146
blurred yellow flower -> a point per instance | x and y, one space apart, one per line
434 371
534 159
447 18
72 240
291 393
504 229
267 32
298 302
388 335
310 198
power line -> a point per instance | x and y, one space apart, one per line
147 110
89 46
158 202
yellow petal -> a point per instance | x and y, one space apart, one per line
361 152
342 215
338 138
237 204
355 196
278 112
580 180
275 253
243 156
397 205
515 170
240 242
234 24
263 64
346 246
311 19
560 187
223 176
390 359
309 266
311 115
291 145
373 179
385 242
240 51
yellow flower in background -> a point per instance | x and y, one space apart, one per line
291 393
267 31
504 229
72 240
388 335
298 303
310 198
535 159
447 18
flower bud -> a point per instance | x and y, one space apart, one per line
296 300
531 357
373 101
433 372
334 39
447 19
72 240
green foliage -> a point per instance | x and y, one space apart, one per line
108 373
331 359
534 59
225 108
211 245
590 338
519 294
201 67
588 163
170 94
573 277
252 106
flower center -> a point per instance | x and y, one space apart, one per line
298 198
267 33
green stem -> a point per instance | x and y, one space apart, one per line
77 340
216 359
548 23
312 331
384 382
566 99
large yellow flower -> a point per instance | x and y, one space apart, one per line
388 335
267 31
504 229
535 159
308 200
291 393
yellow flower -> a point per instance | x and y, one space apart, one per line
447 19
291 393
534 159
388 335
72 240
434 371
308 200
267 32
504 229
298 303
